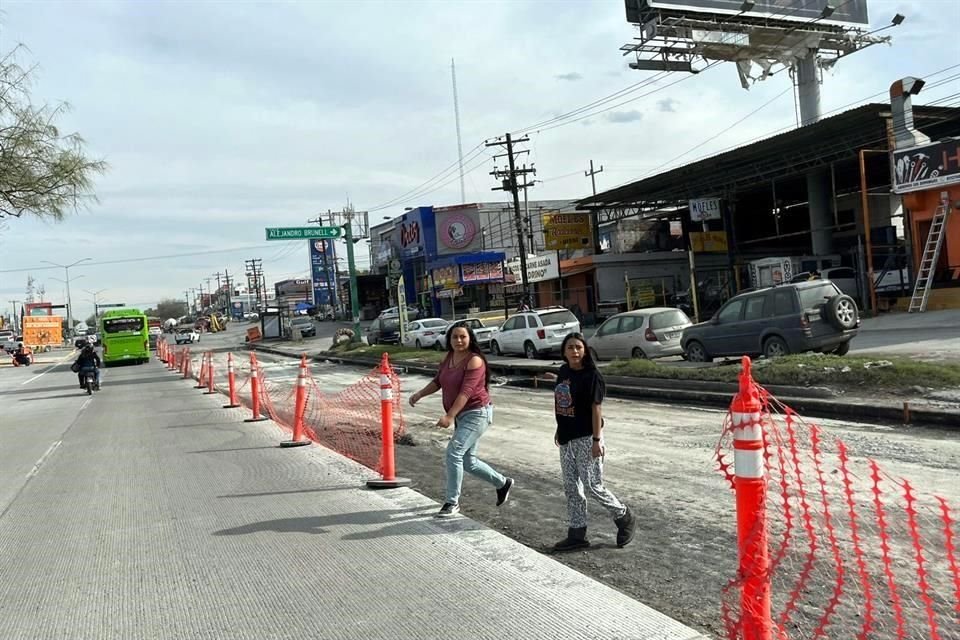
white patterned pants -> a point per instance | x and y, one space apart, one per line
580 469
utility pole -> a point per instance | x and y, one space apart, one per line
255 275
219 291
509 183
596 218
345 218
186 295
226 276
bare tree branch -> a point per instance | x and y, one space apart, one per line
42 171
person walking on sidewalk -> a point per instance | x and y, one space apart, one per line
464 380
578 396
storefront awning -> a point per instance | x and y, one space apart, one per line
575 271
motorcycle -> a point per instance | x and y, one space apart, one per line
90 383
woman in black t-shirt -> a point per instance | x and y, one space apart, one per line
578 394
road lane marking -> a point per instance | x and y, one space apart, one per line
39 463
50 368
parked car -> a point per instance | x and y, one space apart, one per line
536 332
186 336
481 332
413 313
305 324
426 334
791 318
653 332
384 331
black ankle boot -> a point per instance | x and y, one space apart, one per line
576 539
626 527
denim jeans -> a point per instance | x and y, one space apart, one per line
462 450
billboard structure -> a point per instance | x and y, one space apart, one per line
851 12
760 36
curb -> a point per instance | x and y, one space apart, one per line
813 401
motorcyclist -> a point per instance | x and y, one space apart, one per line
88 359
22 356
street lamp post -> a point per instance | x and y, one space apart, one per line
96 307
66 271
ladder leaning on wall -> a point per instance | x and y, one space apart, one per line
928 262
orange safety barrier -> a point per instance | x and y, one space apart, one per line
231 384
388 479
362 420
830 545
211 389
255 390
201 381
299 408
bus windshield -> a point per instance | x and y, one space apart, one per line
123 325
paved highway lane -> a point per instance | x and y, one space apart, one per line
39 406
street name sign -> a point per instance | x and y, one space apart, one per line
302 233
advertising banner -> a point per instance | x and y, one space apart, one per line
708 241
928 166
323 271
539 268
848 12
408 234
458 230
566 231
705 209
480 273
446 277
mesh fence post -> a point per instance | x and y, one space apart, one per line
254 391
211 389
231 384
751 496
300 408
388 479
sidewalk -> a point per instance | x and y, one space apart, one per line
162 515
948 319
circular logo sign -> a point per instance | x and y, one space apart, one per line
320 245
458 231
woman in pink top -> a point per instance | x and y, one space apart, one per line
465 380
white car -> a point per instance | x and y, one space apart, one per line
534 332
425 334
187 336
393 312
481 332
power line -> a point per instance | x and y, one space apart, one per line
141 259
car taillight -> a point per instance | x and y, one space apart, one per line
805 321
428 333
650 335
541 334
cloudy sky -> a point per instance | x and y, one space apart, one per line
221 118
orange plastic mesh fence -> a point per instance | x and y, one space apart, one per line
347 420
854 552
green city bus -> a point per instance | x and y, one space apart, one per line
124 336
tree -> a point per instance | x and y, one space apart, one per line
170 308
91 320
43 171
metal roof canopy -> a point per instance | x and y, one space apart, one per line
793 153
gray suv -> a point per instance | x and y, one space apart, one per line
790 318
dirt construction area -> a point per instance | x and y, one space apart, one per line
660 461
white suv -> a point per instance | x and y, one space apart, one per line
534 332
